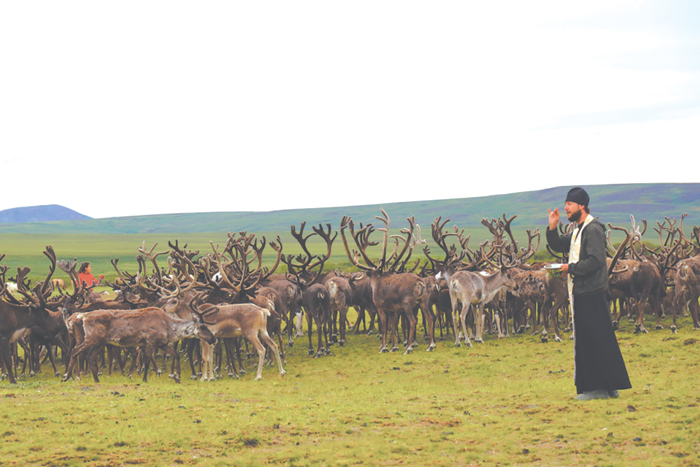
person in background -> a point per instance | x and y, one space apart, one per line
86 278
599 369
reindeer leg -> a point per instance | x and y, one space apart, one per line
53 363
147 361
694 309
231 358
456 318
343 319
300 324
271 343
309 324
658 309
206 357
383 325
321 333
91 360
463 323
639 327
373 314
478 322
252 336
360 318
431 325
545 310
6 358
412 325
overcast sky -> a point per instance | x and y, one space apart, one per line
148 107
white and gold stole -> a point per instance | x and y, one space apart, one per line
575 252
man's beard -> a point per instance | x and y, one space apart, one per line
575 216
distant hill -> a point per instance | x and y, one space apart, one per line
612 203
47 213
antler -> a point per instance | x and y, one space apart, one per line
361 238
68 267
42 290
303 264
4 293
440 238
326 236
149 254
619 253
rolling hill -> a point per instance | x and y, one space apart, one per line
612 203
47 213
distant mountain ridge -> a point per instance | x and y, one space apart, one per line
612 203
46 213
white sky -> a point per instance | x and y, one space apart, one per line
148 107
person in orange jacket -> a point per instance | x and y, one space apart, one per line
86 278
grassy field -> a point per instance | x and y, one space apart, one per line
99 249
504 402
22 250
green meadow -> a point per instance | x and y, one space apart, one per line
503 402
99 249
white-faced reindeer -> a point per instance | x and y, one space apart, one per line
469 289
394 293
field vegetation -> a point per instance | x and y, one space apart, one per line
504 402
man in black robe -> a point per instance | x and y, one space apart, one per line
599 370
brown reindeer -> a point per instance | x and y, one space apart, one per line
635 278
306 271
150 327
394 293
233 320
538 290
16 317
687 290
361 300
267 297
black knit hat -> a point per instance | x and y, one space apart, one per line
578 195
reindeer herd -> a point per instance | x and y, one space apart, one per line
212 306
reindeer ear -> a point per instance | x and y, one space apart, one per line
206 307
358 277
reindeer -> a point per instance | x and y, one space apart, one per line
16 317
637 279
687 290
150 327
469 289
308 275
267 297
340 294
233 320
394 293
361 300
537 289
289 294
474 289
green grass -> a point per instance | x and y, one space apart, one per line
99 249
22 250
504 402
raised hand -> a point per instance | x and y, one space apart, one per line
553 218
